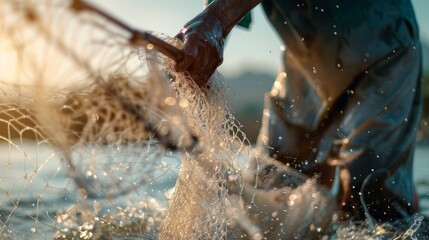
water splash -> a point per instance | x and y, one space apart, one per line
415 227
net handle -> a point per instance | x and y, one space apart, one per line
137 37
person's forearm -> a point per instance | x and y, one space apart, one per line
230 12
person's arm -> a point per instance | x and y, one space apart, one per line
230 12
204 35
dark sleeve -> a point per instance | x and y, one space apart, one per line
376 138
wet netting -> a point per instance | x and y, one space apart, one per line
101 139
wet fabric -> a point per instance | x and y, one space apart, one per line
244 22
347 105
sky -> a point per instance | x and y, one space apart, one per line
257 48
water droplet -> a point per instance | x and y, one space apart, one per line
149 46
184 103
170 101
274 214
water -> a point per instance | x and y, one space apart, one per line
38 200
46 200
421 168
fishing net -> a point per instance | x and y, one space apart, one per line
95 125
100 138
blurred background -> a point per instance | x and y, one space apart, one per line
252 57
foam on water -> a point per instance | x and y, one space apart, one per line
414 228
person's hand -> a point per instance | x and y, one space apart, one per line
203 37
203 47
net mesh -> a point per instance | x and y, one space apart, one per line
101 138
103 124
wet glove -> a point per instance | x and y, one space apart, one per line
204 37
203 47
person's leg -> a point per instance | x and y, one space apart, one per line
375 138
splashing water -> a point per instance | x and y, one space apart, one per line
105 140
399 230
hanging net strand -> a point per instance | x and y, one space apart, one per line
137 37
